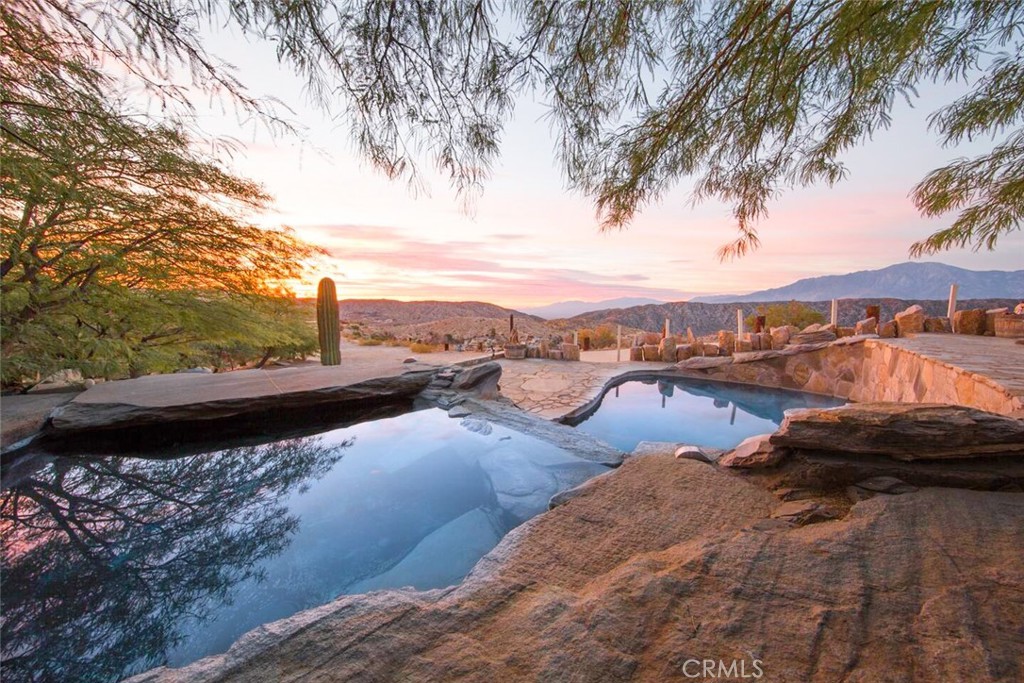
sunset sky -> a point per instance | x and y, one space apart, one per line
527 241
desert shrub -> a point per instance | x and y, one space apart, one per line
604 337
794 313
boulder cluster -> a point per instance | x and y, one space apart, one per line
911 321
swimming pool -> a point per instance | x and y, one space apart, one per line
700 413
114 565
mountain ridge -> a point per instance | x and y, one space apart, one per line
909 280
568 309
707 318
390 311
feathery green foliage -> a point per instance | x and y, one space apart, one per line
747 97
122 249
792 313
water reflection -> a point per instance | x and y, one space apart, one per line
703 413
114 565
103 558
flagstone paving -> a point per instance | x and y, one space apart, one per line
552 389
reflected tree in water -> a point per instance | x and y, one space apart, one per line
101 558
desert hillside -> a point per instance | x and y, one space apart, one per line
709 318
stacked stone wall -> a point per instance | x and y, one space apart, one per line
862 370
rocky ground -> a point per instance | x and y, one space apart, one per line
667 562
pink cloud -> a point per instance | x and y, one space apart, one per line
384 261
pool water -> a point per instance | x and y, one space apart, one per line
115 565
694 412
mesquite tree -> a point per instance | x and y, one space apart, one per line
749 97
123 250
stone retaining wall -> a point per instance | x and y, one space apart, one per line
861 369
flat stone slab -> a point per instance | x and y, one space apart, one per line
23 415
183 397
902 431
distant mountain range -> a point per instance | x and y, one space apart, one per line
912 280
389 312
894 288
707 318
467 319
568 309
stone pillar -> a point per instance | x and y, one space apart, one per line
739 323
726 341
668 350
951 309
666 333
618 343
835 313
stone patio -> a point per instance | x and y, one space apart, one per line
552 389
545 388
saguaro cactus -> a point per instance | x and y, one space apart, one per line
327 323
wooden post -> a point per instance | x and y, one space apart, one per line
576 337
835 313
951 309
739 323
665 335
618 344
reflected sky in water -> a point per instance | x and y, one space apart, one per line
115 565
714 414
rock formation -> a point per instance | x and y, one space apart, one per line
903 431
670 560
910 321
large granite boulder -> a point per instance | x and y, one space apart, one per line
781 335
903 431
990 319
668 350
969 321
727 341
910 321
479 380
866 326
570 351
754 452
814 334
